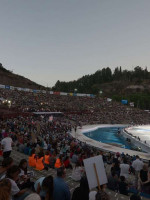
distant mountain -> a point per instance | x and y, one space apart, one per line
9 78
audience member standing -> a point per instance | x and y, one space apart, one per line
7 146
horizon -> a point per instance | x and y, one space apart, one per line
65 40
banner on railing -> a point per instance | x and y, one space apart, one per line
44 91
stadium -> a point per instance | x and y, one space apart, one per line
75 100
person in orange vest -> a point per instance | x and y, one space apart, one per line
59 162
32 159
40 162
47 159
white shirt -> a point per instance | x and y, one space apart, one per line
137 165
7 144
124 170
77 173
92 195
14 187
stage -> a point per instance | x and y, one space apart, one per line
103 146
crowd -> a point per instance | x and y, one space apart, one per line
84 110
47 142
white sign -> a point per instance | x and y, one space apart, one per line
90 171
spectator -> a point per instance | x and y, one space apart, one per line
124 169
13 176
24 178
77 172
5 189
7 146
145 179
67 163
123 186
81 192
33 196
32 159
113 182
61 189
47 159
135 197
6 164
137 165
59 162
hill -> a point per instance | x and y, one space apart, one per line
120 84
9 78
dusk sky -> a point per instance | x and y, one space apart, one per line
50 40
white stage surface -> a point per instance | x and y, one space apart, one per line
143 132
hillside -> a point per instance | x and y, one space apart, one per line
9 78
133 85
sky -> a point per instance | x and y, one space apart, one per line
50 40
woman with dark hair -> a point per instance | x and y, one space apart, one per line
13 175
6 164
24 178
81 192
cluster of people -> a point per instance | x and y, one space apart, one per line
48 144
83 110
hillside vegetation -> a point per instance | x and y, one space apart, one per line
132 85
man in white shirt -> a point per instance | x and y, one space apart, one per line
7 146
124 169
137 165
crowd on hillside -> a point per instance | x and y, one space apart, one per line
84 110
48 144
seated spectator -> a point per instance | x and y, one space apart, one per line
27 149
44 187
123 186
145 179
77 172
33 196
135 197
32 159
6 164
102 195
40 162
13 176
24 178
112 182
81 192
52 160
47 159
67 163
59 162
5 189
116 168
74 158
61 189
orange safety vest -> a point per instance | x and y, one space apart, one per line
57 163
46 161
32 161
39 164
